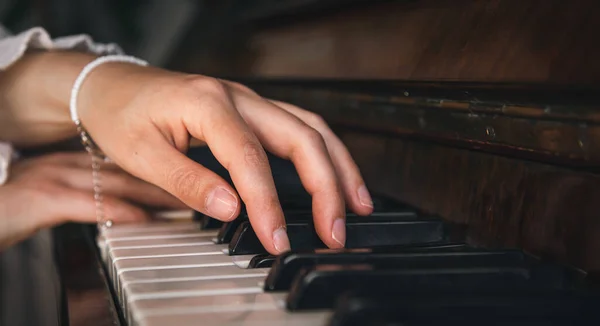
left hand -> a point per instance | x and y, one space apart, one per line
52 189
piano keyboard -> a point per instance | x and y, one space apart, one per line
398 267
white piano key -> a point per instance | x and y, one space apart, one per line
155 275
266 317
205 304
125 266
133 252
185 214
142 228
157 234
182 274
160 252
171 262
242 261
177 240
147 291
160 243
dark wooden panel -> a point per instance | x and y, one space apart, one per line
544 123
491 40
552 212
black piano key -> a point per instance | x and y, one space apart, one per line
197 216
262 261
290 205
288 265
384 204
319 286
300 208
518 308
209 223
361 232
228 229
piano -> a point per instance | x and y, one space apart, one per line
475 124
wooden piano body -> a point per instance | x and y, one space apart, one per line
481 112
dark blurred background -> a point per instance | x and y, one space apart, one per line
167 33
493 40
152 29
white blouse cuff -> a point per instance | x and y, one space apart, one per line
13 47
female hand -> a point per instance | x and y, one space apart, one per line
57 188
143 118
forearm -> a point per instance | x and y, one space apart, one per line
34 97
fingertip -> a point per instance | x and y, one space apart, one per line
222 204
364 197
281 241
362 201
338 232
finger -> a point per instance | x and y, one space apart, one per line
158 162
287 136
76 159
355 191
354 187
79 206
120 185
235 146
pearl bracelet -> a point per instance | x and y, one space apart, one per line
86 71
6 156
95 153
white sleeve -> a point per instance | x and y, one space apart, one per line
12 47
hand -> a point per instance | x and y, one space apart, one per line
53 189
143 119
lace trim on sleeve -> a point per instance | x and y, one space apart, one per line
13 47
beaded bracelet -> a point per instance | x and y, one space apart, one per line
94 151
6 156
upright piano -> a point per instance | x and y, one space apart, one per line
477 125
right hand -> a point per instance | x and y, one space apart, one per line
143 118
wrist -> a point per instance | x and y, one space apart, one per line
106 87
56 72
35 92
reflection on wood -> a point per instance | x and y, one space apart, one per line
550 211
494 40
534 122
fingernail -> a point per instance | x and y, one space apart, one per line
281 240
338 232
221 204
364 197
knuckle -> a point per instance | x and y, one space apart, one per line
243 88
186 183
205 93
270 204
316 121
254 154
313 138
208 86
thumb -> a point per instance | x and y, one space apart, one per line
201 189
